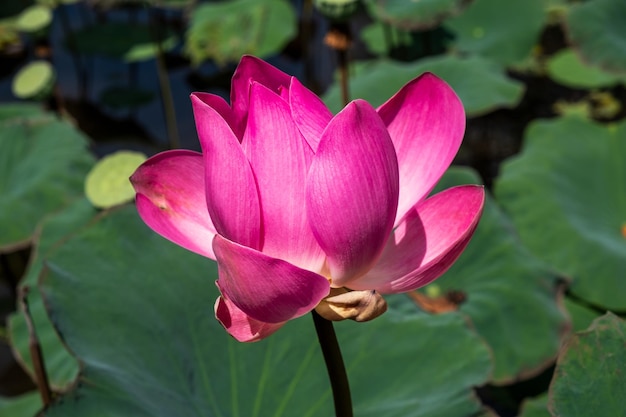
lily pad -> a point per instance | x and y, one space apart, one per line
566 68
34 18
565 193
138 313
224 31
509 294
107 183
589 378
34 81
596 29
26 405
581 315
503 31
130 42
43 162
414 15
481 84
61 367
23 111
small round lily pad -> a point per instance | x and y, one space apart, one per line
107 183
34 81
34 18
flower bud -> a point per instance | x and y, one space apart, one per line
344 304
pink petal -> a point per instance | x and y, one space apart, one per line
426 122
231 195
267 289
170 199
427 242
252 69
352 191
280 159
309 112
218 104
239 325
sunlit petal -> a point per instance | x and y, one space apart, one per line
309 113
352 191
231 194
427 242
426 122
280 159
170 199
239 325
249 70
265 288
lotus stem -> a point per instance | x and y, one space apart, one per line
164 83
334 364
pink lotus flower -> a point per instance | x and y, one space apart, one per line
291 200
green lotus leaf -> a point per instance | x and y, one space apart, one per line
224 31
481 85
596 31
535 407
23 111
502 31
138 313
581 315
566 68
43 162
565 194
589 377
61 367
412 15
25 405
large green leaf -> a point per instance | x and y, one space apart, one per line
138 312
224 31
566 68
503 31
535 407
62 368
581 315
596 29
510 295
43 163
25 405
22 110
423 14
589 378
566 195
481 85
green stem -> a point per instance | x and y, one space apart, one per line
334 365
164 84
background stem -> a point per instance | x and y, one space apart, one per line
334 365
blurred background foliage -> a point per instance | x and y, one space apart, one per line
529 322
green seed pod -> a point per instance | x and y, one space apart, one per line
337 10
